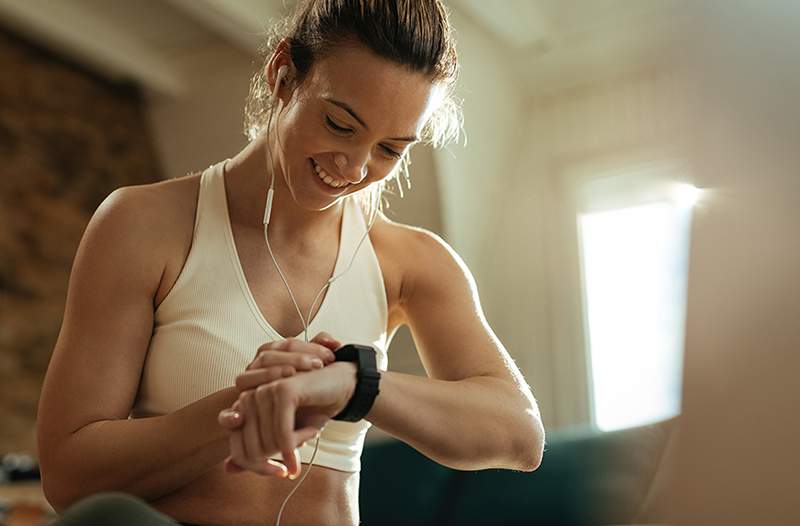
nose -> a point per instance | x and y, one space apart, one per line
354 172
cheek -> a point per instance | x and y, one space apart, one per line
298 131
292 132
383 172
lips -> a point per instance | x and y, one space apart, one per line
327 178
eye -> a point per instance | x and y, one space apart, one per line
393 154
335 127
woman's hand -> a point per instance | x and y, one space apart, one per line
275 360
284 358
282 415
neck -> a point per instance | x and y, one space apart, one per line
247 179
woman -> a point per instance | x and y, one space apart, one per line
177 316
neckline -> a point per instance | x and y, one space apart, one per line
239 270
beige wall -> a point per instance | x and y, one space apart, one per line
609 124
204 125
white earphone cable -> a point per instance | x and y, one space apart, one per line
267 212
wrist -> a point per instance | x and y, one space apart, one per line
349 371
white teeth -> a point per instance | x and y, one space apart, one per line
323 175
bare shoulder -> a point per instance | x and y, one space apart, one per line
172 198
419 256
162 214
160 211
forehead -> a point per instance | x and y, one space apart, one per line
386 95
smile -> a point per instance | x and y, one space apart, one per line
326 178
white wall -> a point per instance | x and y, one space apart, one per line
470 176
535 300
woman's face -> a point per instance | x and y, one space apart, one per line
353 116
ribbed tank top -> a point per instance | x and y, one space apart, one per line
209 327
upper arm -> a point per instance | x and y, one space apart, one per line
444 313
108 319
455 342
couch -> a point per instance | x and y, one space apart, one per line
587 477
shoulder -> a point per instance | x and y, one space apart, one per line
150 223
423 259
164 196
155 211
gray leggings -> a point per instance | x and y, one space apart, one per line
114 509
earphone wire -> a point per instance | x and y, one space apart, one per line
267 212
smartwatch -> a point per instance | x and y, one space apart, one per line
368 378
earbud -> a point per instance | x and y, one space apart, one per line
282 75
283 71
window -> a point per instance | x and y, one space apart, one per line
634 238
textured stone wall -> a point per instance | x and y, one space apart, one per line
67 139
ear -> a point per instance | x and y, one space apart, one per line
280 57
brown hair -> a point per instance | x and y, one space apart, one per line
412 33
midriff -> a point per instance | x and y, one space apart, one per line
326 497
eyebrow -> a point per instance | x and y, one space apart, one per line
346 107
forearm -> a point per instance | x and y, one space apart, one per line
471 424
147 457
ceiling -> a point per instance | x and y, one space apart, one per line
555 43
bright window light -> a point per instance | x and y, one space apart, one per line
634 272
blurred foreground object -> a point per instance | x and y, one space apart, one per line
735 457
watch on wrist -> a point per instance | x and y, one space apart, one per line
367 379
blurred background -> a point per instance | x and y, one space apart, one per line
626 197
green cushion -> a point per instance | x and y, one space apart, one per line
400 486
587 477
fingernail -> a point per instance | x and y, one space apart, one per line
235 415
317 363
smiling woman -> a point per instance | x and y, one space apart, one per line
214 394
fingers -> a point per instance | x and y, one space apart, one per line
255 377
283 413
267 418
271 467
230 419
299 360
254 453
236 444
246 451
265 426
327 340
304 435
320 348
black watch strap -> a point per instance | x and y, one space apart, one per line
367 382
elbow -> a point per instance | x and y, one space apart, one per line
54 494
52 488
531 450
57 481
63 495
61 487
